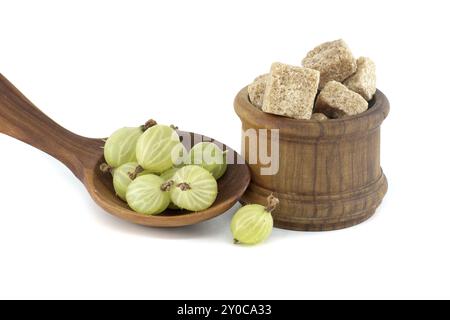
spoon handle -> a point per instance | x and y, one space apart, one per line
20 119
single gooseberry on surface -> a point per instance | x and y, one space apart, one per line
155 148
120 147
148 194
253 223
194 188
210 157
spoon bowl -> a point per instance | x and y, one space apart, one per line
20 119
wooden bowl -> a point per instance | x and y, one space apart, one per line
329 172
231 187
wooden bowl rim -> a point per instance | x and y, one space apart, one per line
372 118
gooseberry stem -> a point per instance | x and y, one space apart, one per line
174 127
105 168
134 174
184 186
272 203
167 185
150 123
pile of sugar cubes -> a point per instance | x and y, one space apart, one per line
331 84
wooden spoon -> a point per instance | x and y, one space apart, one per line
20 119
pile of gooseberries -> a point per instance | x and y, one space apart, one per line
152 170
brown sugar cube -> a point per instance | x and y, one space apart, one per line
256 90
333 59
364 81
291 91
319 116
336 101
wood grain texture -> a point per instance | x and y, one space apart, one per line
20 119
330 175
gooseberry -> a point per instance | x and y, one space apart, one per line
167 176
120 147
194 188
121 178
210 157
180 156
253 223
148 194
155 148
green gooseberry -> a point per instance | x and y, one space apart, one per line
210 157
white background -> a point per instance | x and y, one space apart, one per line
95 66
